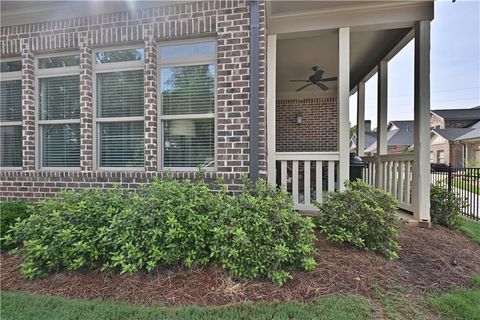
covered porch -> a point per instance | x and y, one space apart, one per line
318 55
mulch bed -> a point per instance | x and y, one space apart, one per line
430 259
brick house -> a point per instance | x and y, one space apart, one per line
455 137
97 92
399 137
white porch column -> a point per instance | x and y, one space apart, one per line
343 104
421 164
382 109
361 119
271 105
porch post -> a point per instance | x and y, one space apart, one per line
382 109
421 164
343 104
361 119
271 105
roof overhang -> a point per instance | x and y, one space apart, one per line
290 19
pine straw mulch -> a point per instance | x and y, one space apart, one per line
430 259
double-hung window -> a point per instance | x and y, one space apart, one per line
11 114
187 79
440 156
119 116
58 114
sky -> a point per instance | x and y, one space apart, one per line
454 66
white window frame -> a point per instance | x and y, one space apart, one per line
51 73
181 62
9 76
441 158
109 68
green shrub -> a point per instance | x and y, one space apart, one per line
10 212
258 233
363 216
69 232
168 222
446 206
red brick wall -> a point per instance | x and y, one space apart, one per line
438 147
228 21
317 132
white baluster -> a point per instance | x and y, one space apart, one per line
318 181
295 182
306 182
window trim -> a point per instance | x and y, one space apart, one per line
438 156
110 67
51 73
181 62
12 76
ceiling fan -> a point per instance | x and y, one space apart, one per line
315 79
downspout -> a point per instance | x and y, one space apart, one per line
254 90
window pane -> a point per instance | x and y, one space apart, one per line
11 146
59 62
11 100
187 50
120 94
188 143
119 55
121 144
59 98
11 66
188 89
61 145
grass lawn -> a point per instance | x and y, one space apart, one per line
459 304
20 306
395 302
471 229
466 186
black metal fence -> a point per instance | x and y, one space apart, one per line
463 181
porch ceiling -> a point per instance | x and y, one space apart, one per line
297 53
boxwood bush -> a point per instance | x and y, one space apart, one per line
363 216
446 206
169 223
10 212
258 233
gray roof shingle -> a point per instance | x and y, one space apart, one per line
459 114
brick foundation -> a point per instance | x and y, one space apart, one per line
227 21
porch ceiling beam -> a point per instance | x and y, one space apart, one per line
364 17
421 132
343 104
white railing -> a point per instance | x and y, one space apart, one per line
392 173
307 176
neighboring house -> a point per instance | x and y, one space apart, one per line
399 138
98 92
455 137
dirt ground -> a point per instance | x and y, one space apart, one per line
430 259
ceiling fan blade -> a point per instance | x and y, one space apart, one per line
330 79
299 80
301 88
322 86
